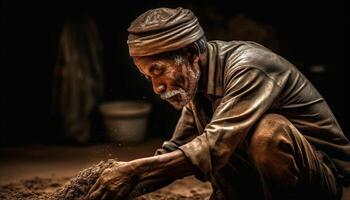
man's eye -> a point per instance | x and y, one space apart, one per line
157 72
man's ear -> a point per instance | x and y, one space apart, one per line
195 59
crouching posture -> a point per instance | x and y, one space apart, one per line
251 123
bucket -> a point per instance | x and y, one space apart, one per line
126 121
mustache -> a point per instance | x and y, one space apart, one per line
172 93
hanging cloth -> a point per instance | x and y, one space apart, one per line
78 77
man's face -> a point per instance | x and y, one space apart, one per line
174 79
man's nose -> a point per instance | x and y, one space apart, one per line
159 88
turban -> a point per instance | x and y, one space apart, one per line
161 30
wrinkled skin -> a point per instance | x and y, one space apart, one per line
114 183
169 76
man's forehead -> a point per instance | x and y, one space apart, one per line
149 61
144 63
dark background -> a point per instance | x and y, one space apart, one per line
307 35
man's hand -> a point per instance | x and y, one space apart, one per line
114 183
117 182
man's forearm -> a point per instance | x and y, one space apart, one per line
172 165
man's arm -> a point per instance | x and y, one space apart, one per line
119 181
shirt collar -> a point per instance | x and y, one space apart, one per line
215 73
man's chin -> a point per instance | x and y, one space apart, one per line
176 104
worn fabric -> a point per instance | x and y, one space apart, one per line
78 77
289 167
246 81
278 163
161 30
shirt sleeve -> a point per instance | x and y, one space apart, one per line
249 93
185 131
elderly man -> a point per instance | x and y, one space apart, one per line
251 123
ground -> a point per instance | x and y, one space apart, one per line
33 172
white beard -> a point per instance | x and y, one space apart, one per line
185 96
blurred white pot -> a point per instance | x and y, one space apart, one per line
126 121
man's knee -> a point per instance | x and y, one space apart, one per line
269 131
271 148
285 158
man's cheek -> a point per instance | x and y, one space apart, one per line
180 81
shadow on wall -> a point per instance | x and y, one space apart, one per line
78 78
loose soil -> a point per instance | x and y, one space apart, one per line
75 188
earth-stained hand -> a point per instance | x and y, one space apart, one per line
114 183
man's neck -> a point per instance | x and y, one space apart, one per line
203 65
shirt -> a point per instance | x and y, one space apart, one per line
245 81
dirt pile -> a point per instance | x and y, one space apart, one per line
39 188
79 186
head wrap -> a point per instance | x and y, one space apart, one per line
161 30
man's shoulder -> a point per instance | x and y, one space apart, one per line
252 55
231 58
239 45
243 53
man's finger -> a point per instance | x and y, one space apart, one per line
94 187
122 193
97 194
